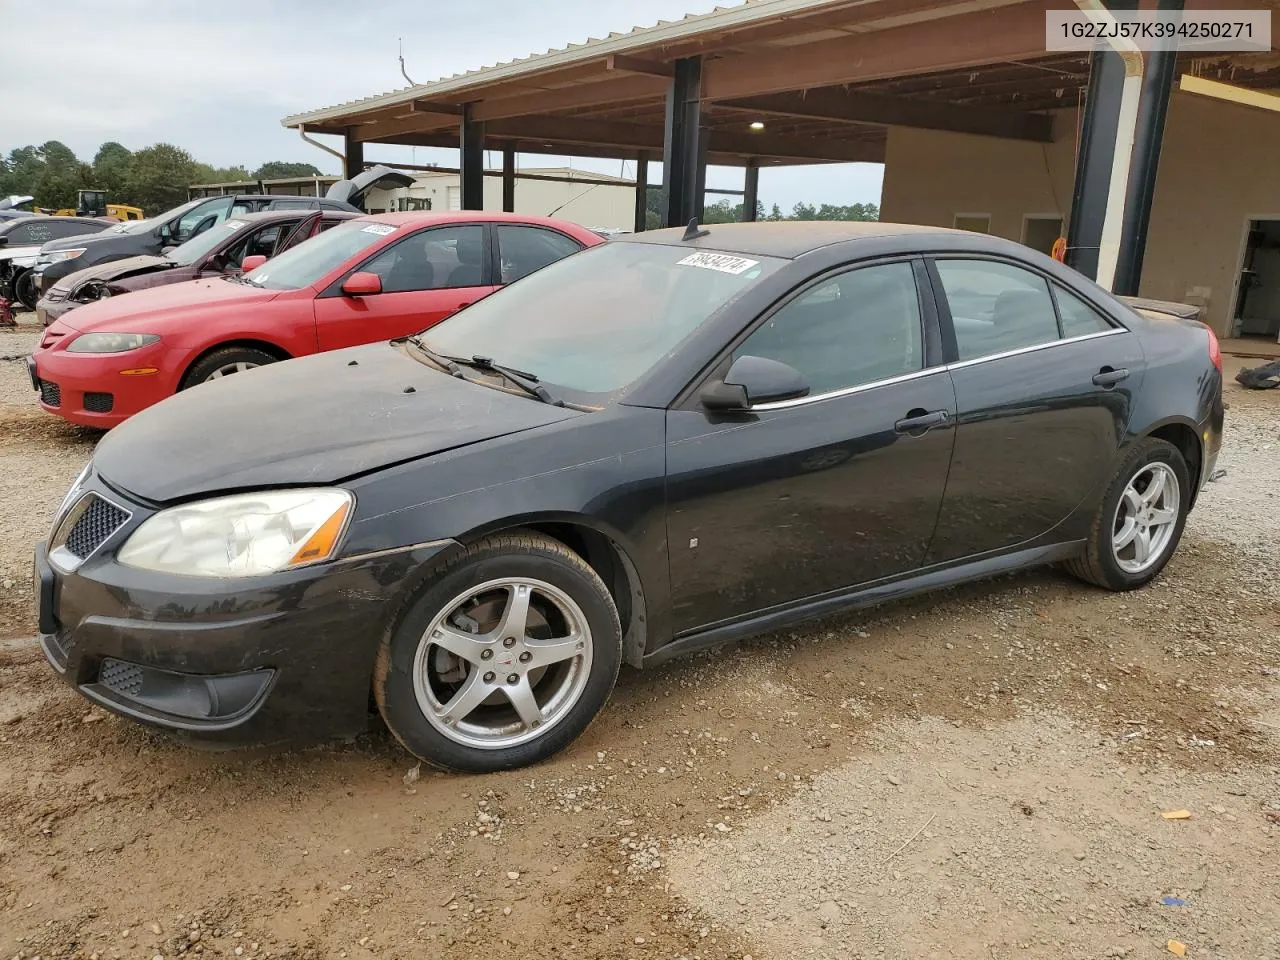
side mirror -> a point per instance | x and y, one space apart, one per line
362 284
252 263
167 248
754 380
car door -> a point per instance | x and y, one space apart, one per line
1044 384
426 276
521 249
842 487
302 230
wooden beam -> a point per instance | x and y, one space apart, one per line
946 43
1257 99
624 64
419 122
836 104
628 137
432 106
625 89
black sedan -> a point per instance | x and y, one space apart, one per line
657 445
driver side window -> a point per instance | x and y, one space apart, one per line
256 242
855 328
437 259
200 218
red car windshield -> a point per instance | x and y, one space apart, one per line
314 259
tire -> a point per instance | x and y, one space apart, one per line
457 710
24 289
1106 565
218 364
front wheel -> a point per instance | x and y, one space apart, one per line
504 657
225 362
1140 521
25 290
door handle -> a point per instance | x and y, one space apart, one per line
918 422
1108 377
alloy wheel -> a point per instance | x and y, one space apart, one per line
1146 518
239 366
502 663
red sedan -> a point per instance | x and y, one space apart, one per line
374 278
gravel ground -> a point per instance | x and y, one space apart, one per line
976 774
39 457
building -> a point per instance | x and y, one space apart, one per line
594 200
285 186
978 126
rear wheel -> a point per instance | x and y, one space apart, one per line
1141 518
225 362
503 658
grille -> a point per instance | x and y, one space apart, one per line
99 402
120 677
97 520
50 393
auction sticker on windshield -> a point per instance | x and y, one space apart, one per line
381 229
718 261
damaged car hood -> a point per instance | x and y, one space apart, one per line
314 420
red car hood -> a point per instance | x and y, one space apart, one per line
141 311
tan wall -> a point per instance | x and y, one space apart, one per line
588 205
1218 167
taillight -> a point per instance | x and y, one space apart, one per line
1215 351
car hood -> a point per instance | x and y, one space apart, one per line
114 269
315 420
155 309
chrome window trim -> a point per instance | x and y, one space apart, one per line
847 391
63 559
903 378
961 364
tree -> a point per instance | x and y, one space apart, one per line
207 174
112 165
279 169
160 176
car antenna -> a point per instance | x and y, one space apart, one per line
693 231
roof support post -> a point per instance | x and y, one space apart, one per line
750 191
683 145
1157 84
471 141
352 155
509 177
1097 157
642 193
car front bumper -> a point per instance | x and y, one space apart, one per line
94 391
286 658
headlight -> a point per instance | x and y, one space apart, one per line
91 291
57 256
111 342
241 536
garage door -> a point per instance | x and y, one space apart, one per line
453 198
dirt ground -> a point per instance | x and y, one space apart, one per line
981 773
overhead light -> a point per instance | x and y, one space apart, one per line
757 124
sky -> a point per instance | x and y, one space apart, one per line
216 80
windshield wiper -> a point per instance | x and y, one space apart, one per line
528 382
446 363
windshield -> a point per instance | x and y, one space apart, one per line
203 244
314 259
596 321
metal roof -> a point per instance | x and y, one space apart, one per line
637 38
